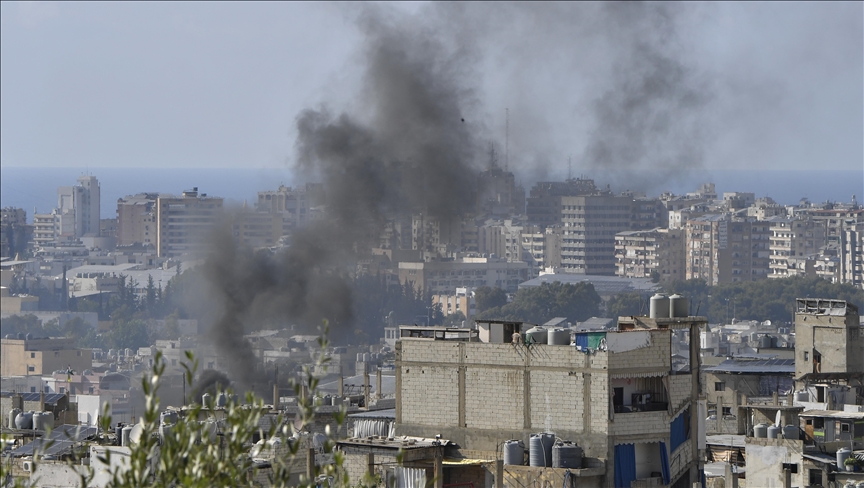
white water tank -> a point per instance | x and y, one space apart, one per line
558 336
538 335
679 306
658 307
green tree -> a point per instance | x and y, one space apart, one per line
626 304
454 319
151 295
549 300
486 297
128 333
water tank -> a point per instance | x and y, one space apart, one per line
679 306
111 353
319 440
10 336
164 433
566 455
365 357
558 336
359 357
24 420
538 335
43 420
658 307
790 432
773 432
802 396
760 431
221 399
168 417
12 415
128 352
842 454
21 336
124 435
765 341
514 453
540 450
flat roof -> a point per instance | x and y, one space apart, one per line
755 366
837 414
604 285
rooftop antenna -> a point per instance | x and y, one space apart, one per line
569 168
507 141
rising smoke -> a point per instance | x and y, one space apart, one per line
412 150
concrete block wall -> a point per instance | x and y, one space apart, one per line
657 357
430 394
600 402
494 398
556 401
680 388
655 424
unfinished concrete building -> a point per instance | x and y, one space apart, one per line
614 394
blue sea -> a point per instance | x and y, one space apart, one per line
31 188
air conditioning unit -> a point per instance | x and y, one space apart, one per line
28 466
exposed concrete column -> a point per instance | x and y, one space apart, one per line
310 464
275 396
366 389
787 478
439 468
370 465
499 473
731 478
378 394
695 390
341 386
776 399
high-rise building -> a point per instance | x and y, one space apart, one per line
136 219
793 238
640 253
78 208
184 224
721 248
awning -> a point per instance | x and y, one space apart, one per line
638 374
465 462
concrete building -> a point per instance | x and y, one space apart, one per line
615 395
15 233
184 224
638 254
81 204
136 219
294 205
461 301
791 238
498 194
725 249
257 229
23 357
443 277
828 337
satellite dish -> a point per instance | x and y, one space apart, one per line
135 434
777 419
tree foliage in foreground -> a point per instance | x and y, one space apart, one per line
194 455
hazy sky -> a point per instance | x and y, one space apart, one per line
768 85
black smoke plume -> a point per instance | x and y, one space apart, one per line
411 150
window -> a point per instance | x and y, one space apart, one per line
32 355
806 356
31 368
727 411
720 386
33 390
844 427
62 390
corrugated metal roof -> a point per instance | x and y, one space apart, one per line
764 366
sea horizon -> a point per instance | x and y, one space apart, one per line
36 187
